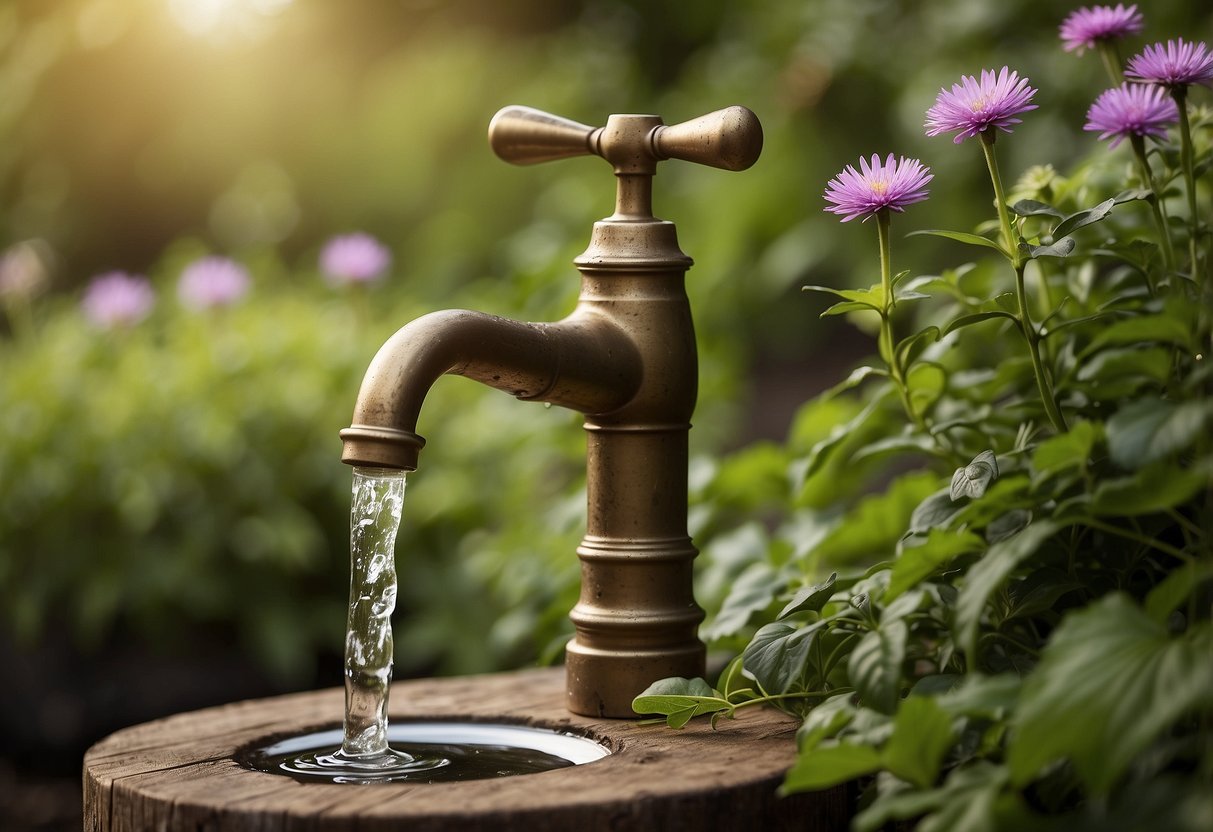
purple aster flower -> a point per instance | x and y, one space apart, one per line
875 187
973 107
1132 110
354 258
212 282
118 299
1177 64
1085 27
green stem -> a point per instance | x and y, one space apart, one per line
1111 60
888 350
1138 537
1156 205
1011 247
1180 94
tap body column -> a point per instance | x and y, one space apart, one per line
636 620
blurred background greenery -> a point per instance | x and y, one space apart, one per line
172 506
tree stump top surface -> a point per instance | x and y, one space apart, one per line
180 772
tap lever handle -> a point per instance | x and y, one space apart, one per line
526 136
730 139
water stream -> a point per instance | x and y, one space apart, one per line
426 752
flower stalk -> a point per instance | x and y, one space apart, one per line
1156 207
1011 247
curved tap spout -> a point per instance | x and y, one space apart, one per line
584 363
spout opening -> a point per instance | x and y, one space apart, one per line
365 446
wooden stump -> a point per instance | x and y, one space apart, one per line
179 772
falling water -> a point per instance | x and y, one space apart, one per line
454 751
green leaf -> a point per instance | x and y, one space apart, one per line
1163 328
1176 588
679 700
872 297
1061 248
965 803
810 597
976 318
990 573
922 735
1071 449
845 308
935 510
752 592
777 655
916 563
856 377
1032 208
874 666
961 237
1109 682
1149 430
909 349
820 452
973 479
825 721
989 697
823 767
876 523
732 681
1083 218
1155 488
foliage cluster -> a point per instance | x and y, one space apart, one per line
1004 622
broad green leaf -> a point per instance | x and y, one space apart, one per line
990 697
964 803
926 382
874 666
873 526
922 735
1110 681
1007 524
1119 373
909 443
679 700
961 237
1061 248
1164 328
820 453
1083 218
990 573
1175 589
777 655
752 592
1146 431
916 563
1071 449
856 377
973 479
846 307
1032 208
825 721
812 597
823 767
936 510
1154 488
1039 592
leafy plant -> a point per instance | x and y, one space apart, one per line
1015 631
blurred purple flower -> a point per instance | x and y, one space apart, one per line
1132 110
973 107
118 299
1085 27
1177 64
354 258
23 270
212 282
875 187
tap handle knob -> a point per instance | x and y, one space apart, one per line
730 139
526 136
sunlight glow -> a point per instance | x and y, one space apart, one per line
222 19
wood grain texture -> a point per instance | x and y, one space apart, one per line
179 773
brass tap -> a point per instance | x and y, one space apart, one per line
625 357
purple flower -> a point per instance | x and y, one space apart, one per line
354 258
1085 27
876 187
118 299
212 282
974 107
1177 64
1132 110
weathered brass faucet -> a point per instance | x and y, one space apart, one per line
625 358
